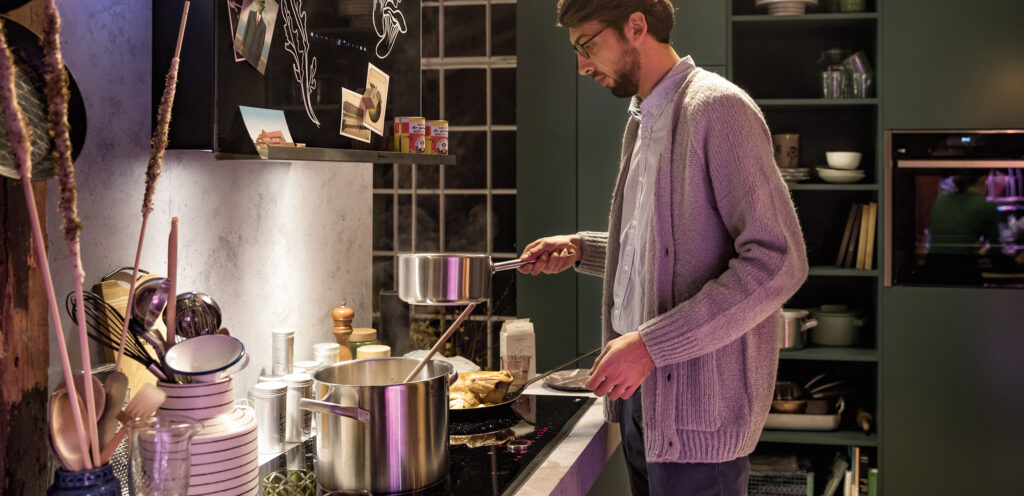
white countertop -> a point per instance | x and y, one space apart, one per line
576 462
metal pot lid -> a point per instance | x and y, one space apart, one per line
794 313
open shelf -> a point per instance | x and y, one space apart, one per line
313 154
815 102
833 187
795 21
837 354
827 270
834 438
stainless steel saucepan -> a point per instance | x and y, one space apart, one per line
447 279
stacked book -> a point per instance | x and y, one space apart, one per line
857 249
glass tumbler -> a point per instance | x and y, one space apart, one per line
299 482
833 84
160 454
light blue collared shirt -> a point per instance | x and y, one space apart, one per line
638 194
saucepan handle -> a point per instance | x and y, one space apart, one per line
351 412
511 264
454 376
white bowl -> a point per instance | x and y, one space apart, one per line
839 176
843 160
205 358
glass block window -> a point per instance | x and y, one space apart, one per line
469 79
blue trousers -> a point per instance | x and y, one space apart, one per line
674 479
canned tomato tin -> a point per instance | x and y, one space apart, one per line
439 137
417 135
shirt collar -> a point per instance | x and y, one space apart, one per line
663 90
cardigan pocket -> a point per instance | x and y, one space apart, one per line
697 403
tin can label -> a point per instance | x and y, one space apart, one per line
439 137
417 135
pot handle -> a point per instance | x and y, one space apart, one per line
454 376
809 323
511 264
351 412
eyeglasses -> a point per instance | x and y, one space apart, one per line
581 48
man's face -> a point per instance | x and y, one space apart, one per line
606 57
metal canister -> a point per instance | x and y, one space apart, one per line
298 423
269 401
417 135
438 137
327 353
282 351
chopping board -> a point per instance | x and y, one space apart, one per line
115 291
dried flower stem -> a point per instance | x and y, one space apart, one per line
18 132
57 96
154 168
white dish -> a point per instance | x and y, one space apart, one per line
200 413
805 422
785 7
188 390
207 358
239 485
839 176
197 402
843 160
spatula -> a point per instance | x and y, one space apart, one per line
514 391
144 404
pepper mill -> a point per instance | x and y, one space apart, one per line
343 329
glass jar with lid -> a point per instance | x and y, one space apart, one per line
362 336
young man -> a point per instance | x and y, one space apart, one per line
703 248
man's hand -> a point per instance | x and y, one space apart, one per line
552 254
621 368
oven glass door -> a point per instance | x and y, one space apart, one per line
956 221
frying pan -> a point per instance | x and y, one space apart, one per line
28 59
447 279
514 392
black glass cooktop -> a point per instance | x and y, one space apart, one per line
490 458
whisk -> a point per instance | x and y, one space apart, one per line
105 326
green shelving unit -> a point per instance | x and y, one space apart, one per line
774 58
834 354
832 438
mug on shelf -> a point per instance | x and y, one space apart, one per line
787 150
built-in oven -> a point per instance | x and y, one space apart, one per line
954 208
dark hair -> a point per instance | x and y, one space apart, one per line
660 14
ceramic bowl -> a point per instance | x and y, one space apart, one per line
839 176
207 358
843 160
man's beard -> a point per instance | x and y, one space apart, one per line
626 84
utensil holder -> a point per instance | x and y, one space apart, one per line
96 482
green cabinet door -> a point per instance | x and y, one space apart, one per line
700 31
950 64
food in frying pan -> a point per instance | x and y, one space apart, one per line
476 389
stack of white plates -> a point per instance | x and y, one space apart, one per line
785 7
224 455
795 175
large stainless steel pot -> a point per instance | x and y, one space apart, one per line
376 433
447 279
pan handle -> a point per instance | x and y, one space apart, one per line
335 409
511 264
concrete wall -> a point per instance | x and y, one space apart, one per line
277 244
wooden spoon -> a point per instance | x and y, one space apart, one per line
63 433
99 396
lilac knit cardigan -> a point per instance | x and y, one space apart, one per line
726 253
